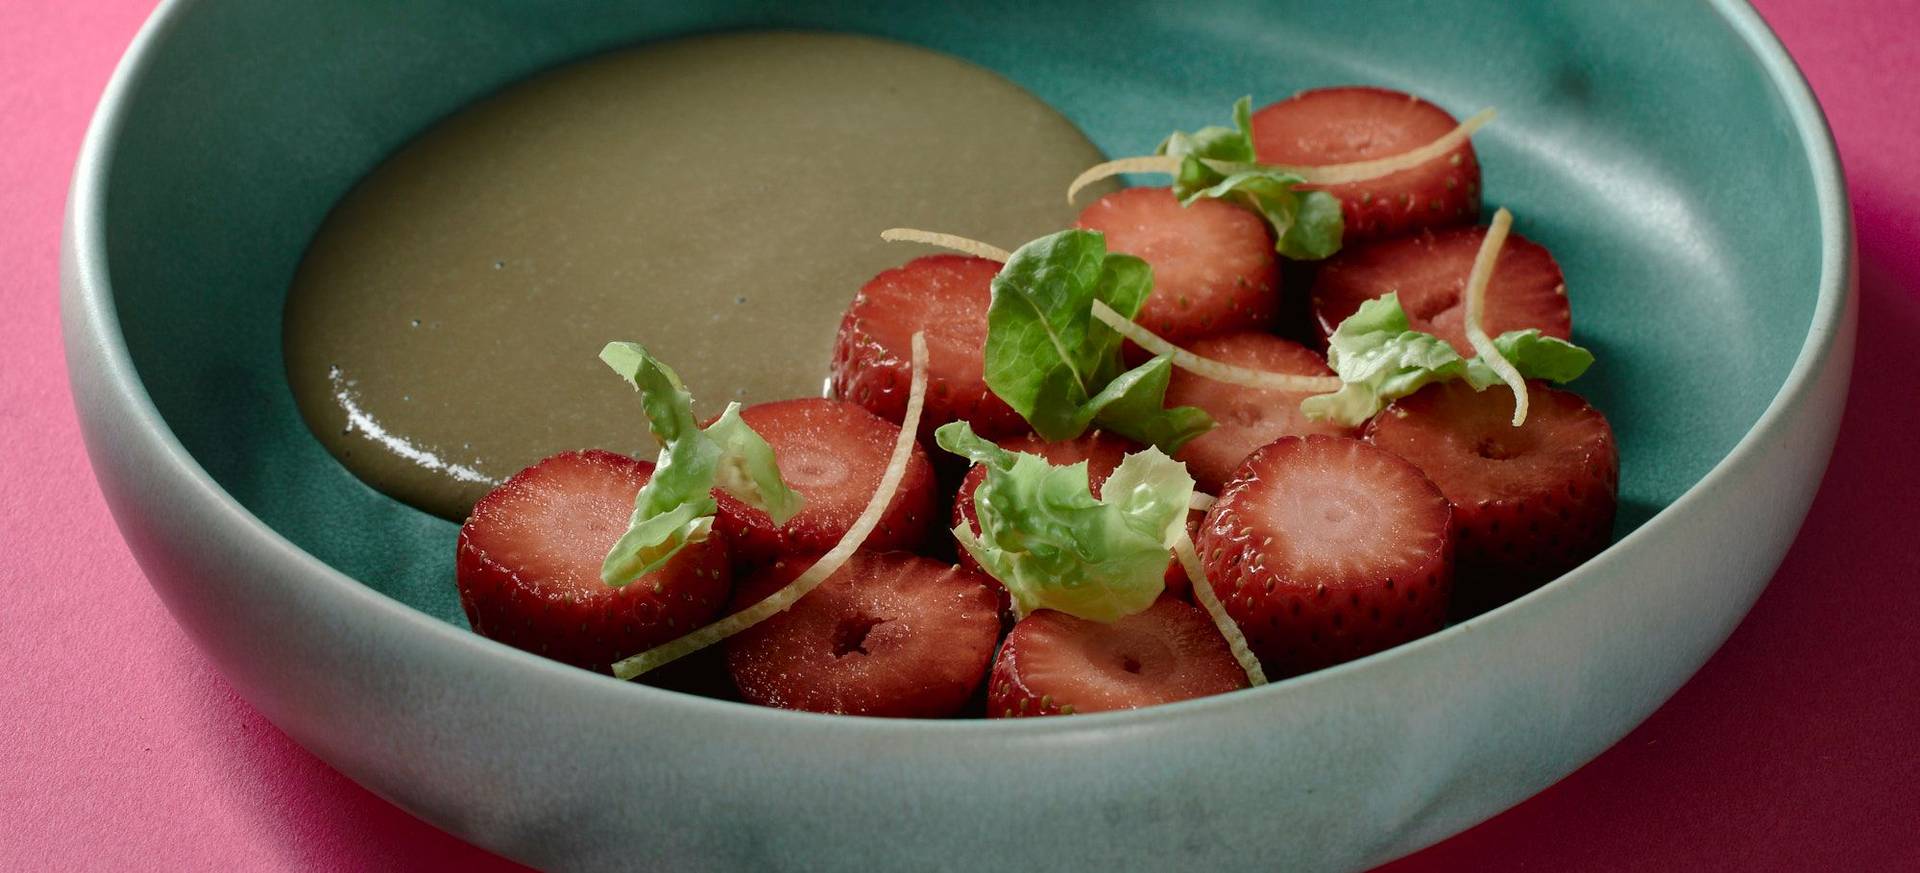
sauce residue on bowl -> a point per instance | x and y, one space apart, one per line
716 198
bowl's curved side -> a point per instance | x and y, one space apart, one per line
689 783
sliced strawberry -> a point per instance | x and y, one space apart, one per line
1429 271
833 452
889 634
1344 125
1214 268
947 297
1101 450
1326 549
528 565
1056 664
1529 502
1245 418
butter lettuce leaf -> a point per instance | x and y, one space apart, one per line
1057 365
1055 546
676 506
1380 358
1307 225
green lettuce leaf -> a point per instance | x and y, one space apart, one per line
1055 546
1535 355
1057 365
676 506
1216 143
1307 225
1380 358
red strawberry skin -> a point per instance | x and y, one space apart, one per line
890 634
1326 549
1101 450
947 297
833 452
1343 125
1244 418
1529 503
1055 664
1214 268
528 566
1429 271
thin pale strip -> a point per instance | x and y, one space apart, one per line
1360 171
1476 305
1218 371
1200 501
1324 174
947 241
1165 165
827 565
1209 601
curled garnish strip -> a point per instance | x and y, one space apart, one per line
946 241
1209 601
1326 174
1476 304
1219 371
828 564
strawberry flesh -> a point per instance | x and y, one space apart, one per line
1326 549
1529 502
947 297
833 452
1245 418
1214 268
528 565
1429 270
1055 664
889 634
1344 125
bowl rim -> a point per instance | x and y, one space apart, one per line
92 322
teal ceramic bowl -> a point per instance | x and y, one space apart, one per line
1669 154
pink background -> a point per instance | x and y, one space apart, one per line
1797 747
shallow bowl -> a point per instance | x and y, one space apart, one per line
1668 153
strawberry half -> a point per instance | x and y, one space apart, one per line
1529 502
1101 450
1055 664
528 565
947 297
1429 270
1214 268
1344 125
1326 549
833 452
888 634
1245 418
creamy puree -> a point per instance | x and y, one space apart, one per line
718 199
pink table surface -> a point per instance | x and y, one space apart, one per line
1797 747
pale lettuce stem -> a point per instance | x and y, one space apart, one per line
947 241
1324 174
1219 371
828 564
1476 304
1209 601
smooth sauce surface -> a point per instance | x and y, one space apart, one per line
718 199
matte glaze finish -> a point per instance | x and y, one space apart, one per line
718 199
1720 308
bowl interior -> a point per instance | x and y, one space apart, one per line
1640 142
